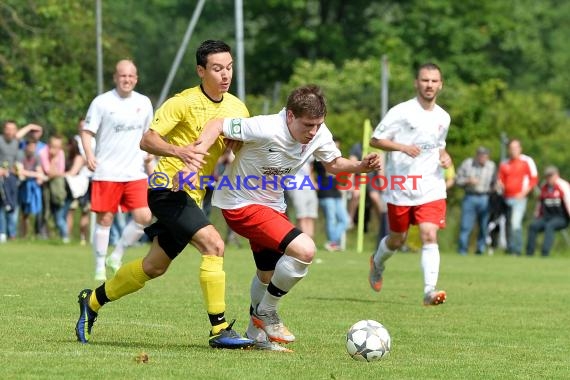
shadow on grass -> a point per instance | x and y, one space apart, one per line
142 344
357 300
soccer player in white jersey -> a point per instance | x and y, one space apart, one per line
117 119
413 135
275 147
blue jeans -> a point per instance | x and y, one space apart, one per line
8 221
549 227
515 216
475 207
336 218
60 218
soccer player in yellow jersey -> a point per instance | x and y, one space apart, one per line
180 219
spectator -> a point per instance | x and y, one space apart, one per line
30 190
33 133
52 160
496 229
552 212
517 177
78 177
477 176
332 204
9 155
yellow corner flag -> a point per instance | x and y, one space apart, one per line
362 201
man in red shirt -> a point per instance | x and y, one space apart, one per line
517 177
552 211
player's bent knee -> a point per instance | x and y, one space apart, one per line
208 241
302 248
213 247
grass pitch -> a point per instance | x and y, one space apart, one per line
505 318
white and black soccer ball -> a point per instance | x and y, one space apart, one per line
368 341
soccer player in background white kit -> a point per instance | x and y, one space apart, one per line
275 147
413 135
117 119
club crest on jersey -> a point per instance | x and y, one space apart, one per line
235 128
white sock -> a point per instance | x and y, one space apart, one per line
430 266
100 245
131 234
257 291
382 253
288 272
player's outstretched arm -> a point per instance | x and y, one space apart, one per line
212 130
369 163
191 155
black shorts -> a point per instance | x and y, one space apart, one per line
266 260
178 219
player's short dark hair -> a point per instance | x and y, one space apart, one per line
428 66
210 47
307 101
513 140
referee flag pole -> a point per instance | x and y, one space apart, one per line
362 200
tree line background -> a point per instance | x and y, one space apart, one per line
505 63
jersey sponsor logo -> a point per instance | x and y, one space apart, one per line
426 146
127 128
270 171
235 129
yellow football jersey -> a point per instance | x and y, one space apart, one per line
180 121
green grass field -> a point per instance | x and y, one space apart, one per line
506 318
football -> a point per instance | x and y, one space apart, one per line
368 341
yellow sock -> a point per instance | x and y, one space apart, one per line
93 303
128 279
213 283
